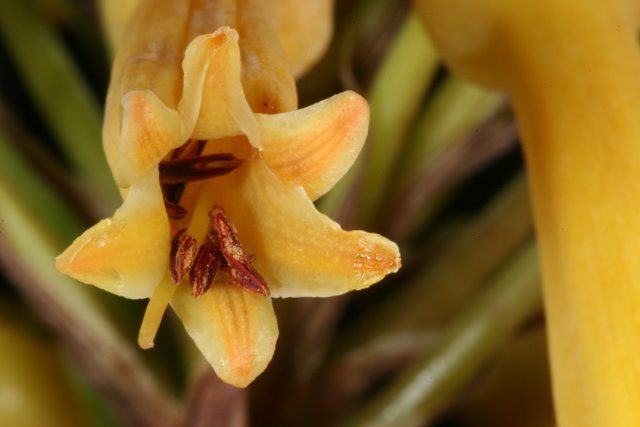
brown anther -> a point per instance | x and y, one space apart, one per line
174 210
254 282
196 168
182 255
206 266
240 264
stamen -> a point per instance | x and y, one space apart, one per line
196 168
251 283
174 210
182 255
240 264
191 148
205 267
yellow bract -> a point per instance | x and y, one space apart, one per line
214 71
572 69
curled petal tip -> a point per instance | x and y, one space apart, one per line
213 104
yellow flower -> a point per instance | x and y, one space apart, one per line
572 69
204 171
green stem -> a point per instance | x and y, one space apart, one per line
33 225
442 285
413 316
395 97
77 20
416 198
50 211
458 107
432 382
59 92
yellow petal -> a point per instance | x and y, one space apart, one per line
304 29
314 147
299 251
127 254
148 62
266 72
149 131
166 88
213 103
235 329
151 53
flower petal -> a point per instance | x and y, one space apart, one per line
266 73
304 29
299 251
314 147
151 52
235 329
127 254
149 131
148 59
213 104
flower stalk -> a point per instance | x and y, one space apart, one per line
572 70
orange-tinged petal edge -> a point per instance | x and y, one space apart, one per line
314 147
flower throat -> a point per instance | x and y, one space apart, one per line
221 248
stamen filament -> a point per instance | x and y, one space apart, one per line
193 161
194 168
183 176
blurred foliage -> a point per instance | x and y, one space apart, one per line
441 174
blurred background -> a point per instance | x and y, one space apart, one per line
456 338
